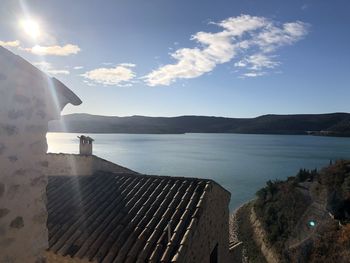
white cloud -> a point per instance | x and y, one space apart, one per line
237 26
273 37
257 61
47 67
78 67
128 65
14 43
56 50
89 83
253 74
248 36
58 71
119 75
42 64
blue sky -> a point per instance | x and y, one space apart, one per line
169 58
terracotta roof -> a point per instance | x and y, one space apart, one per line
122 218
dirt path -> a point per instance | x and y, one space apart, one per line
241 230
316 213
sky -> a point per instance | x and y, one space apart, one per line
178 57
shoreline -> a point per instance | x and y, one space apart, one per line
332 135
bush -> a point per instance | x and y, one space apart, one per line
305 175
279 206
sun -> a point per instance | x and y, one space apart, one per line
31 28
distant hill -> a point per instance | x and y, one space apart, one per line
337 124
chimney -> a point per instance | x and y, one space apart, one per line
85 146
28 100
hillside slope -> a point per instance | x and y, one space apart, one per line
307 217
337 124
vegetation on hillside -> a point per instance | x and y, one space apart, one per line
281 204
336 180
332 245
279 207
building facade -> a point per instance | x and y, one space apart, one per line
80 208
28 100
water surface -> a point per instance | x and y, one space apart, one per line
241 163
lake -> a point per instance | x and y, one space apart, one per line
241 163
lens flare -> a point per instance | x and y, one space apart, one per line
312 223
30 27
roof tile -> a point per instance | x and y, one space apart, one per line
122 217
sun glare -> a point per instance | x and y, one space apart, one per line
30 27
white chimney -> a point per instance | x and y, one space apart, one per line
85 146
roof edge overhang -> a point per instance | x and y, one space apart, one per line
63 93
66 95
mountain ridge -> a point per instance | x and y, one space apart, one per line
336 124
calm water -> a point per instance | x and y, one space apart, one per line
240 163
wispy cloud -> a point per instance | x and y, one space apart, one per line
253 74
257 61
58 71
120 75
55 50
48 68
304 7
78 67
251 38
14 43
273 36
128 65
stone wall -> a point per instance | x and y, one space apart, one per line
236 252
26 106
75 164
212 229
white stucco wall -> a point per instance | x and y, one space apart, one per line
23 126
27 103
